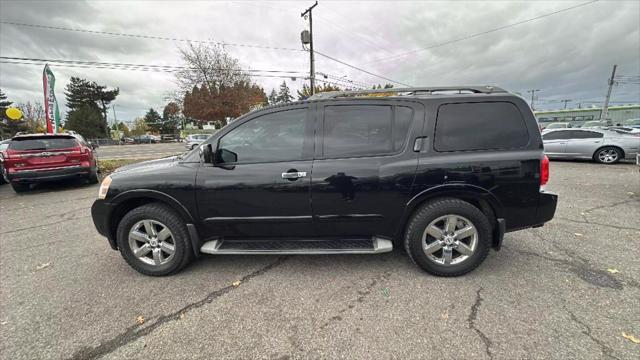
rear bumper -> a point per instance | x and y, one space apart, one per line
547 203
101 215
48 174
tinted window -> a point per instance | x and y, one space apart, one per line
480 126
48 143
365 130
268 138
581 134
555 135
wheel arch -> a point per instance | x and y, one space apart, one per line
479 197
129 200
608 146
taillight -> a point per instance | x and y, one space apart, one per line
544 171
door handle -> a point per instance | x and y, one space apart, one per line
294 175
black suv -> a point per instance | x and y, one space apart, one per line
442 172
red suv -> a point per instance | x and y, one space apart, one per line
43 157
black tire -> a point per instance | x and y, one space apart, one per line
3 179
20 187
92 178
603 155
432 211
165 215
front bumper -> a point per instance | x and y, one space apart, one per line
101 212
48 174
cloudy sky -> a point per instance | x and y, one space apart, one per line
567 55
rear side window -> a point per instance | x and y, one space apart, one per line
365 130
45 144
581 134
555 135
480 126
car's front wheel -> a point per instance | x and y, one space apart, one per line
153 240
608 155
448 237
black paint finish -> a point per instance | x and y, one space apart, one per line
339 197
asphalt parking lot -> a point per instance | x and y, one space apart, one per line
140 151
568 290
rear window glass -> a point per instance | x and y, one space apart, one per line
365 130
480 126
49 143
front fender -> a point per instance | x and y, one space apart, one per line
128 195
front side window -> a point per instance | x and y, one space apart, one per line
480 126
556 135
271 137
365 130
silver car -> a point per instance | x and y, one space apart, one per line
194 140
603 146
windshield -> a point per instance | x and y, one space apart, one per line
44 143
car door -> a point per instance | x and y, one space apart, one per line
264 190
555 142
583 143
364 166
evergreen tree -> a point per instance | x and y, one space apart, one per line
284 94
273 97
8 127
81 92
85 120
153 120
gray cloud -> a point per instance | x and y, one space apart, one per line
568 55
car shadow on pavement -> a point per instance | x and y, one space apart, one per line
59 185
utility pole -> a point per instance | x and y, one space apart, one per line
565 101
605 108
533 92
312 75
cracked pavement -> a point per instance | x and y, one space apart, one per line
546 294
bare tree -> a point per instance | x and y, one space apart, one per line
33 115
208 65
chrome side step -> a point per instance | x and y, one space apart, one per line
291 247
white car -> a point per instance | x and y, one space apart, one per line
603 146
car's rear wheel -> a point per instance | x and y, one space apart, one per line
608 155
153 240
448 237
20 187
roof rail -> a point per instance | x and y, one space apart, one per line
411 91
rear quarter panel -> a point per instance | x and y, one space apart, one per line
508 179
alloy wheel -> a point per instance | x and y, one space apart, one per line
450 240
152 242
608 155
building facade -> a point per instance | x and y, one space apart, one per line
576 117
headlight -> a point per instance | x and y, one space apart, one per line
104 187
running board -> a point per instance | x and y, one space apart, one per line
291 247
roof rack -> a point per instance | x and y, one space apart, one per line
412 91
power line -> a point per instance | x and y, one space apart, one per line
164 68
361 69
169 68
480 33
83 66
142 36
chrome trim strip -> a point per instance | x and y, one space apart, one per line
257 218
46 153
349 216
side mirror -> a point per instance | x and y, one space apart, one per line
225 156
206 153
93 145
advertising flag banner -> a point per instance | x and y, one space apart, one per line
50 102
